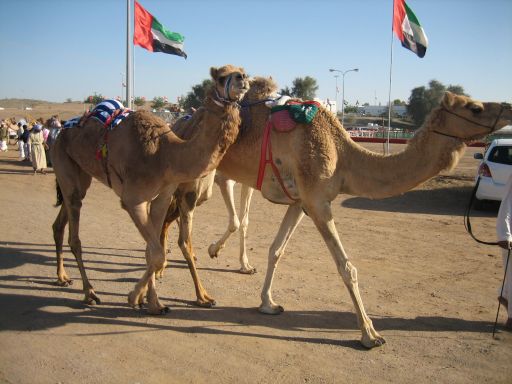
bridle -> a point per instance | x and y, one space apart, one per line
226 100
490 127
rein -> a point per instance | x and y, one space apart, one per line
467 222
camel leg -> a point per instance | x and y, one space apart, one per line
185 244
291 220
226 188
245 203
172 214
73 196
322 217
58 236
155 258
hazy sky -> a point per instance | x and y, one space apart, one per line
60 49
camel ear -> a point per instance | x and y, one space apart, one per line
213 72
448 99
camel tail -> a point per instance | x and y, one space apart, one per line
60 198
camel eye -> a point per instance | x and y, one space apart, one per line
240 76
475 108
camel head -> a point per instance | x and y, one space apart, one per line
467 119
230 82
261 88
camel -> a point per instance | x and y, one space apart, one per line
143 162
318 161
261 90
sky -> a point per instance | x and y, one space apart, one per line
57 50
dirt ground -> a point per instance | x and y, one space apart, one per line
429 288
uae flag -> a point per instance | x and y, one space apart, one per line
153 36
408 29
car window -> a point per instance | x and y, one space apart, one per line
501 155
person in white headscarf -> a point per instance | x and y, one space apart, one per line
4 136
504 233
37 149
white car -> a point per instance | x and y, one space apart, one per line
494 171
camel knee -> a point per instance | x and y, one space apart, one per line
157 262
275 256
234 224
74 243
349 273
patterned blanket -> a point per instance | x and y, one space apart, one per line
109 112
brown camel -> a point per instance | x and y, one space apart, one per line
192 194
144 164
318 161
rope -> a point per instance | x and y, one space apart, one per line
467 222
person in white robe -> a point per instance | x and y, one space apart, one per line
504 234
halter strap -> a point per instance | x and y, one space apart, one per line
490 127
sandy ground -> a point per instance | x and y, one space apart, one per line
430 290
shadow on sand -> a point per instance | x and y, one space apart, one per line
451 201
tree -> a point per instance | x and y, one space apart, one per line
304 88
158 102
195 98
286 91
139 101
94 99
423 100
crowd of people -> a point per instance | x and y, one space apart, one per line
33 140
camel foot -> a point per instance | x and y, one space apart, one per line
248 270
159 310
64 282
372 339
209 303
272 309
91 298
136 299
213 251
372 343
159 274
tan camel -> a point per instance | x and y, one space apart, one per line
192 194
145 163
317 162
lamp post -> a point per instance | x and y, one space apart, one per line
336 98
343 73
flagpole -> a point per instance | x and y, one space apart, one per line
387 151
129 54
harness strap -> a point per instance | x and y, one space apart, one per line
266 158
102 154
491 127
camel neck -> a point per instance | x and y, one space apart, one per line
216 128
374 175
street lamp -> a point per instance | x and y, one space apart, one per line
336 77
343 73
